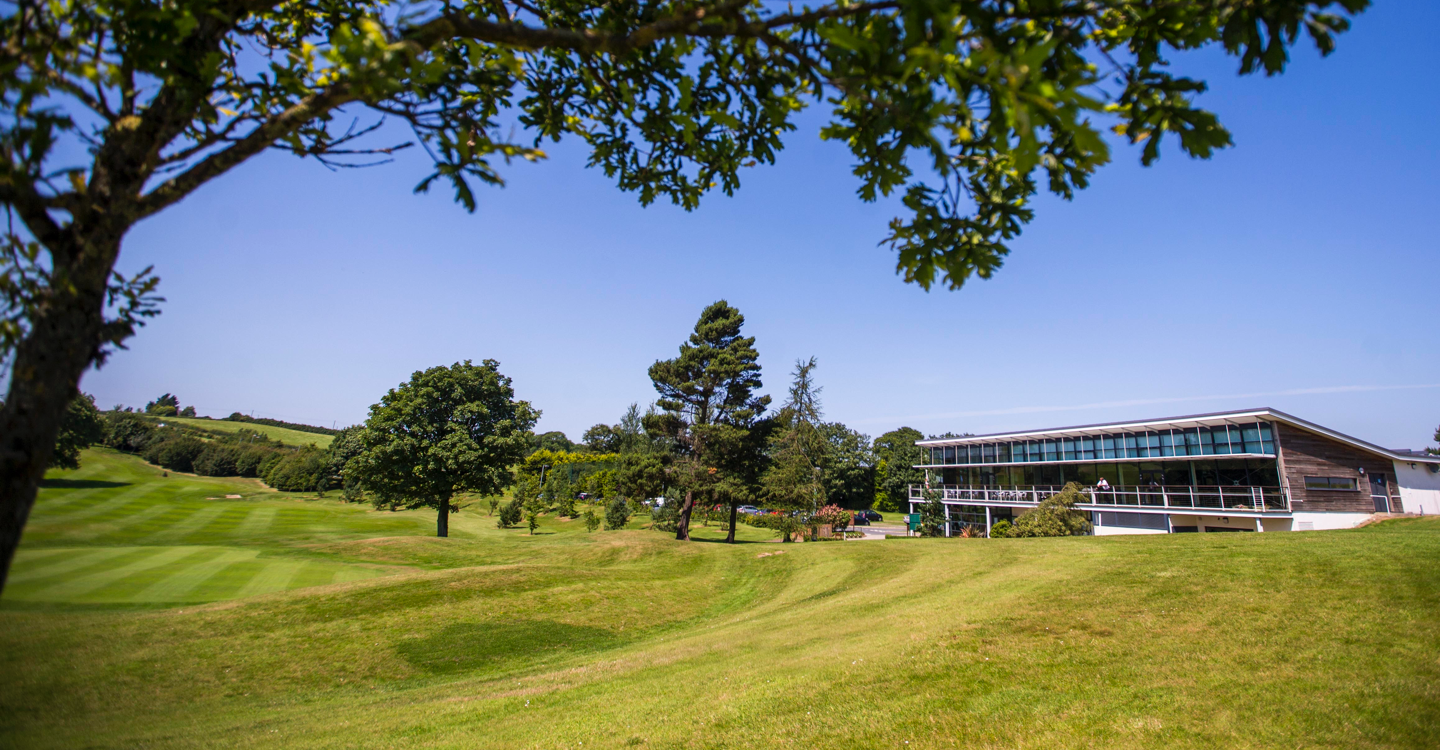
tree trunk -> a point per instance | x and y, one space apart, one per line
682 526
442 521
65 334
734 515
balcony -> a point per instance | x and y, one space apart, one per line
1178 497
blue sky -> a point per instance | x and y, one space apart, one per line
1296 270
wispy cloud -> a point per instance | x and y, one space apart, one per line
1145 402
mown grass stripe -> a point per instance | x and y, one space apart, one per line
74 588
117 502
224 524
257 522
196 520
275 576
182 584
81 560
111 528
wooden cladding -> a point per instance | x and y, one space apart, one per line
1305 454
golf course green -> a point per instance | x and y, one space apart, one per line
156 611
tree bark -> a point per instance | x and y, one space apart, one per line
734 516
442 521
682 526
65 334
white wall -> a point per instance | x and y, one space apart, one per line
1327 521
1119 530
1419 489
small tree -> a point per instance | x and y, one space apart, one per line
533 521
617 515
510 514
1001 529
494 501
592 521
932 514
1055 516
448 430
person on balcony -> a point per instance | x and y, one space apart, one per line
1102 485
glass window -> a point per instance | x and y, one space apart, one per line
1050 451
1251 435
1177 473
1167 443
1003 450
1205 473
1207 448
1192 442
1067 449
1109 472
949 454
988 453
1263 473
1330 483
1082 473
1232 472
1087 449
935 455
1129 474
1130 450
1108 447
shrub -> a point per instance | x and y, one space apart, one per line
665 517
176 453
617 515
1055 516
1001 529
533 521
127 432
592 521
249 459
304 470
510 513
837 518
218 460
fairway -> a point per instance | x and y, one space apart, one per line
142 614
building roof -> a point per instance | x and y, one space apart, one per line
1242 416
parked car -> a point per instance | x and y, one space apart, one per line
859 519
868 515
749 510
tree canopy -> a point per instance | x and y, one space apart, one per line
448 430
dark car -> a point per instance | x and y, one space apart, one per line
868 515
859 519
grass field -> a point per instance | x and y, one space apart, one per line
282 434
144 615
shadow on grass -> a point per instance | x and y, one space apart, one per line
81 484
489 647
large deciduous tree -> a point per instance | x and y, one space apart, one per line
116 110
709 405
897 455
448 430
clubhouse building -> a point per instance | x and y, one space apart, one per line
1253 470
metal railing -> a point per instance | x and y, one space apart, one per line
1213 497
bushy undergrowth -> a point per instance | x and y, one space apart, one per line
244 453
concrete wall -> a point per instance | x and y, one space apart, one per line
1326 521
1419 488
1122 530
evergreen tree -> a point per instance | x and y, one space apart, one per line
1054 516
709 405
617 515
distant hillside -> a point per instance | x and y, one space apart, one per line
286 435
238 417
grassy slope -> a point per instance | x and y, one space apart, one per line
284 435
499 639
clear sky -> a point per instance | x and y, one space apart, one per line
1296 270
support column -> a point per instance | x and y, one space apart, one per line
947 520
987 522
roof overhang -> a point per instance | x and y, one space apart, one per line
1187 422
